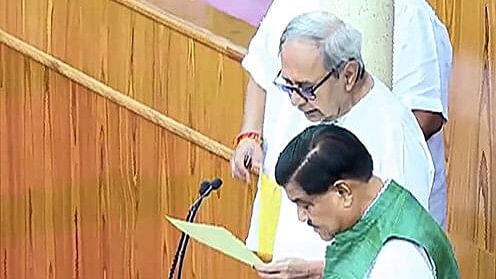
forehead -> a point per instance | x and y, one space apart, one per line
301 58
296 193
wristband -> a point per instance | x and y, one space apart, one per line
248 135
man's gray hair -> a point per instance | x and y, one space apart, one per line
338 41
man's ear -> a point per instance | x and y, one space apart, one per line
344 191
350 73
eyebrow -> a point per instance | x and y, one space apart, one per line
298 83
295 200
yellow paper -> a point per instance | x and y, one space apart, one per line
218 238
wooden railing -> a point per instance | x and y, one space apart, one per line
117 97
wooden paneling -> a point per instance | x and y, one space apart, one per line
471 133
201 16
115 96
189 73
86 184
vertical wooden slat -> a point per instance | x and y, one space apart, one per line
16 229
179 70
34 143
119 49
75 182
91 260
59 234
34 22
161 53
4 194
143 60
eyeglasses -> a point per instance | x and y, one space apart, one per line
306 92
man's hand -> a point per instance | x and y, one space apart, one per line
291 268
247 156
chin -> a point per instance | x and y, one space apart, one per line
313 115
313 118
326 236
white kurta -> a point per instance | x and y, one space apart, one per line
282 121
390 133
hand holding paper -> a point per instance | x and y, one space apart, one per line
218 238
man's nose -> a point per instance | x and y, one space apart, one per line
296 99
302 215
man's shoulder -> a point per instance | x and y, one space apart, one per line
386 102
419 11
383 112
403 8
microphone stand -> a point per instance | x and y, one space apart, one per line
205 190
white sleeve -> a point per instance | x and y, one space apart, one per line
421 59
262 59
402 259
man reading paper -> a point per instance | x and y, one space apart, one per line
377 228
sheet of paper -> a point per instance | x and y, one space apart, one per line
218 238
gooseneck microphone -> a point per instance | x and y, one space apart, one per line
206 187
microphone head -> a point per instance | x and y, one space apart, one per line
216 183
204 187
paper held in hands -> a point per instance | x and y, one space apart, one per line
218 238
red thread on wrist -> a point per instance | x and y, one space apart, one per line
248 135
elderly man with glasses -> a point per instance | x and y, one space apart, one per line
324 76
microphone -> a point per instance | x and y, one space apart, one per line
206 188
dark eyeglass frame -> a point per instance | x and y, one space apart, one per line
307 93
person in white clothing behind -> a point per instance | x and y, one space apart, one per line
324 77
421 72
421 68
